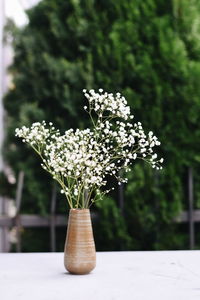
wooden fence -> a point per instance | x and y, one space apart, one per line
20 221
53 220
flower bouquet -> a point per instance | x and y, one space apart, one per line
82 161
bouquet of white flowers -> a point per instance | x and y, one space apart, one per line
81 161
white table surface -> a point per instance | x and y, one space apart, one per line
160 275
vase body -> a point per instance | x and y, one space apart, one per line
79 253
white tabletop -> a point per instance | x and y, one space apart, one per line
170 275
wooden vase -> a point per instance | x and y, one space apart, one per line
79 253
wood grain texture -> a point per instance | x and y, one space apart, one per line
80 252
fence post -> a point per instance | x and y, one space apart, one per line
4 232
52 219
20 185
191 208
121 197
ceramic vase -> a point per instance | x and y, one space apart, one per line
79 253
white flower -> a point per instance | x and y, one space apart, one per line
75 192
83 159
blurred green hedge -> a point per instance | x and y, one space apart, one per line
147 50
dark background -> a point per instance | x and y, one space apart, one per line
150 52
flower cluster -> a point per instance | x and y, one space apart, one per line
107 102
36 134
82 160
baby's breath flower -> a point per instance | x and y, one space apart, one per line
86 157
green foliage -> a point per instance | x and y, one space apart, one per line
4 185
111 222
149 51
